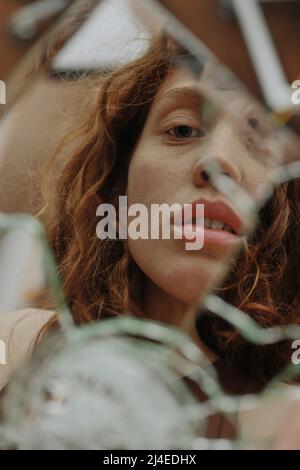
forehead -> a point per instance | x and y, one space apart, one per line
179 83
177 78
182 86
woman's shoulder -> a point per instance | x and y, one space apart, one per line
18 332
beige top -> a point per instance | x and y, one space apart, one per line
18 332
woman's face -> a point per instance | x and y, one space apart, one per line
167 167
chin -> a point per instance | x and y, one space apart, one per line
189 282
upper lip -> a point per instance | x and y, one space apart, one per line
221 211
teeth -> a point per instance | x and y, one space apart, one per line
227 228
211 223
217 224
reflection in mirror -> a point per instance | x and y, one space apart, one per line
161 185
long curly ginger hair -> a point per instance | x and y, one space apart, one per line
100 278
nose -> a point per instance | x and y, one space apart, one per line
222 148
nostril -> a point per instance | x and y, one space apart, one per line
253 122
205 175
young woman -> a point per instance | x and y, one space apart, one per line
146 137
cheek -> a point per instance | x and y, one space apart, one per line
144 179
157 174
161 175
184 276
256 181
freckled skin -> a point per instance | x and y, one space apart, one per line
162 171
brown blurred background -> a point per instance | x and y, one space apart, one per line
13 49
207 19
10 52
40 114
221 33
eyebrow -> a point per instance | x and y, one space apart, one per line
191 94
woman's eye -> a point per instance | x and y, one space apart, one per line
185 132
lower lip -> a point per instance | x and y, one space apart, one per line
212 236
